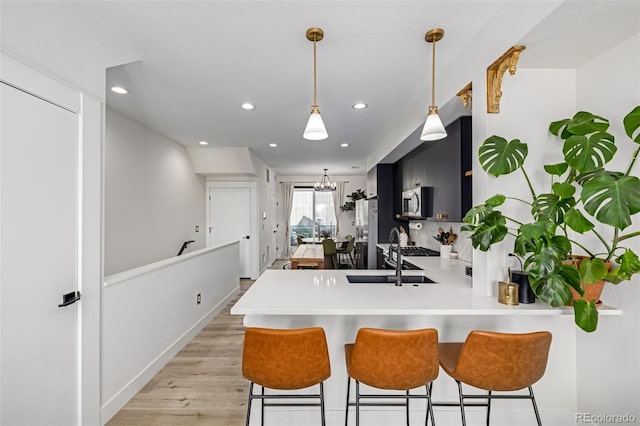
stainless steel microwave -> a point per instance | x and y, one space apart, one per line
417 203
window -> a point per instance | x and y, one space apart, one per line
312 214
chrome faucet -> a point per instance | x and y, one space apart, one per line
395 231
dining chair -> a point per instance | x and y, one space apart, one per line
329 248
347 249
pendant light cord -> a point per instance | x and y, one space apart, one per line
433 74
315 92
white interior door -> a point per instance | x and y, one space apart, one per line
273 246
38 261
230 220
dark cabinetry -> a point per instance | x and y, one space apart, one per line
385 208
443 165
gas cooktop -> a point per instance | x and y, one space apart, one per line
417 251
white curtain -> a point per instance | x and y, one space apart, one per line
288 203
338 197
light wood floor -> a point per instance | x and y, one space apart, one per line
202 385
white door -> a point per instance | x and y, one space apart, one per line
38 261
273 246
230 220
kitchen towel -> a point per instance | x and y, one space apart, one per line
415 225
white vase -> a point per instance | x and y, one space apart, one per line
445 251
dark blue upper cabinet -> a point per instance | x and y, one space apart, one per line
444 166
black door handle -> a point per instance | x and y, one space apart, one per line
70 298
247 237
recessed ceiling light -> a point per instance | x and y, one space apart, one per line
359 105
119 90
203 143
344 145
273 145
248 106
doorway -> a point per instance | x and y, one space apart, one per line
231 213
49 247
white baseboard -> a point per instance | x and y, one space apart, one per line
120 399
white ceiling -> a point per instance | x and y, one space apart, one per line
201 59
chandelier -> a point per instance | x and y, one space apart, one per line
325 184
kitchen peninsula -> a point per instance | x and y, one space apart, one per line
325 298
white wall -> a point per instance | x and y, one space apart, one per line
606 368
153 199
151 313
612 382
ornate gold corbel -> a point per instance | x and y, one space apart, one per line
495 72
465 95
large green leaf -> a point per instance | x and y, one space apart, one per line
612 201
495 201
556 169
554 290
571 277
540 266
592 270
559 246
629 264
563 190
585 314
582 123
576 221
491 230
499 157
551 207
632 124
529 239
582 178
586 153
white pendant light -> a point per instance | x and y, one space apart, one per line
325 184
315 129
433 128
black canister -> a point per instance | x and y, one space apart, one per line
525 294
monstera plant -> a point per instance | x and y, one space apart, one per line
582 192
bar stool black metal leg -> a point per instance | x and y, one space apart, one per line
322 403
249 404
535 406
433 417
262 408
464 420
429 406
346 411
357 403
488 407
407 407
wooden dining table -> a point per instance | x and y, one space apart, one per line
308 255
316 240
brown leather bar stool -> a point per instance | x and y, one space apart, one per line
497 362
285 360
394 360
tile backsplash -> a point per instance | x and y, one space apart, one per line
424 237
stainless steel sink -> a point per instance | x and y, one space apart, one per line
385 279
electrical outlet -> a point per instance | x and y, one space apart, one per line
198 299
197 228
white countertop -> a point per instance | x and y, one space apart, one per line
327 292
